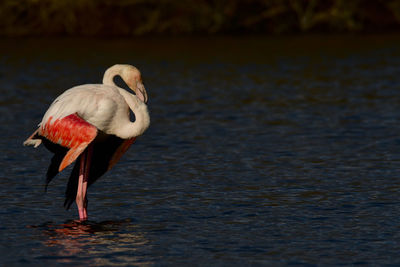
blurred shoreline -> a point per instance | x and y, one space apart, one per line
129 18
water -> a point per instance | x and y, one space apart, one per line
261 151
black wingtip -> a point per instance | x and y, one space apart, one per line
72 186
59 154
67 203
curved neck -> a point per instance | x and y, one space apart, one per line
109 75
142 118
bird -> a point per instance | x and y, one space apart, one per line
91 125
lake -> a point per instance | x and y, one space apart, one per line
261 151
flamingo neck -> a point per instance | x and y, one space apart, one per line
108 78
130 129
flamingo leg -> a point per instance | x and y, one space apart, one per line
81 199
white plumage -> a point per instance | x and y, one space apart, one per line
104 106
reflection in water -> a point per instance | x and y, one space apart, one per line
114 241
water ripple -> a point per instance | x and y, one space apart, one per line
252 158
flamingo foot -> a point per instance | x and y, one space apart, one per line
82 214
82 208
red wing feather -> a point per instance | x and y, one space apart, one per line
72 132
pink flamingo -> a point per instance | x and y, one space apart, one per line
92 122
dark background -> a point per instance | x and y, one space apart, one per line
166 17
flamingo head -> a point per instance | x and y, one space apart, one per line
131 75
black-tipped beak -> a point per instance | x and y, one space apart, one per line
141 92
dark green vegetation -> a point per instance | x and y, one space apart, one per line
143 17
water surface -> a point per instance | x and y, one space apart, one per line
263 151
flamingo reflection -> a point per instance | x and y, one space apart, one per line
96 243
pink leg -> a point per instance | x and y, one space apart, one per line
81 199
81 192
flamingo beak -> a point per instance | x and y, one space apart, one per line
141 92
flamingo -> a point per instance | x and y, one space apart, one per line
91 124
